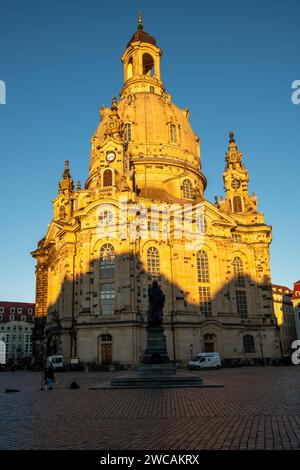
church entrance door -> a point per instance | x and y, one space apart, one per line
209 347
106 353
209 343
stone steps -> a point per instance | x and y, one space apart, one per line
157 381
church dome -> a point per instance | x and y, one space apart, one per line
158 128
142 36
160 144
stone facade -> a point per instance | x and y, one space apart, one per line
142 215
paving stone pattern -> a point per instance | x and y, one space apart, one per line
258 408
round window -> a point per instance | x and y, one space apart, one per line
106 217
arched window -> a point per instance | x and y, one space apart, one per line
187 189
130 68
249 346
107 261
173 133
148 64
127 132
152 89
107 178
202 266
238 272
237 204
153 263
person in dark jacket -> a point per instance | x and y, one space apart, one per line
49 376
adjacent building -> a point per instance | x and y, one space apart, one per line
296 306
142 216
16 325
284 312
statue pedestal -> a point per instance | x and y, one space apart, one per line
156 351
156 370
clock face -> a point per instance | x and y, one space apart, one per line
64 184
110 156
235 183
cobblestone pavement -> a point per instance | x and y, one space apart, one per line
258 408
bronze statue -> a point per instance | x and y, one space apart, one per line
156 305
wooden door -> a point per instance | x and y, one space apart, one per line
209 347
106 353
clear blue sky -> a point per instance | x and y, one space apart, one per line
232 63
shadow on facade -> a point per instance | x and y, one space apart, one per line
101 317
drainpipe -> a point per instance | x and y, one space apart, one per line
261 347
72 332
173 307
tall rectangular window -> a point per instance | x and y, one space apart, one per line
241 303
27 344
202 266
107 298
127 132
249 345
205 301
238 272
153 264
173 133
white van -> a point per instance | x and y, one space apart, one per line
57 362
206 361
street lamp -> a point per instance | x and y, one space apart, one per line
191 351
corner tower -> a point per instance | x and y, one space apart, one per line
236 180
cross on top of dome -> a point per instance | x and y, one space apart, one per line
141 35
